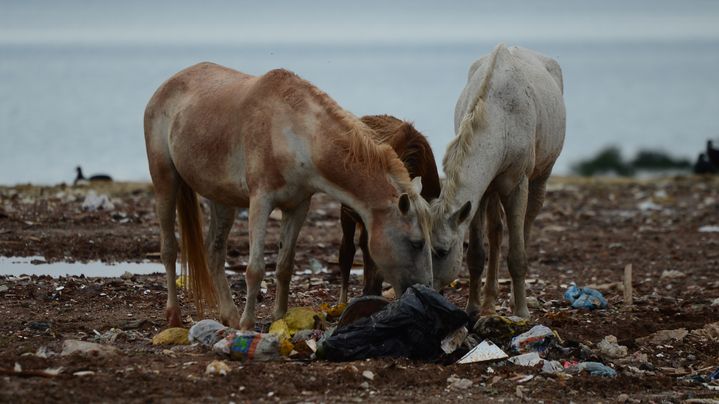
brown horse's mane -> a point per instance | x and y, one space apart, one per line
357 140
412 147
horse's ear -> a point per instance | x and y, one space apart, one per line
417 184
461 214
404 203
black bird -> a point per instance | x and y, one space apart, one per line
713 154
96 177
704 166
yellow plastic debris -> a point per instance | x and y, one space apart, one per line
181 281
172 336
286 347
280 329
333 311
301 318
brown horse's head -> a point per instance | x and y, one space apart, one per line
399 241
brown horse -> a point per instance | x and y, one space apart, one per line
267 142
416 154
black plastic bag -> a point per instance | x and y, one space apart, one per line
412 327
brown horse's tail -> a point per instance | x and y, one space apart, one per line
193 256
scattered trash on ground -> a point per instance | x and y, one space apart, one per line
412 326
593 368
454 340
498 328
585 298
361 307
172 336
538 339
485 351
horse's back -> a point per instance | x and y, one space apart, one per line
411 146
525 93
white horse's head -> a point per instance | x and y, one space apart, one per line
399 241
447 235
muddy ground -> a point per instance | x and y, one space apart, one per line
588 232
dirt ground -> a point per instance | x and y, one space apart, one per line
588 232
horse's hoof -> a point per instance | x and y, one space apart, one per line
247 324
172 314
231 318
522 312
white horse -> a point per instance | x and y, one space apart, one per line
510 123
270 142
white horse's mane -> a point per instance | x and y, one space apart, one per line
460 147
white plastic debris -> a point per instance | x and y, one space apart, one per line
454 340
527 359
94 202
672 274
84 373
709 229
485 351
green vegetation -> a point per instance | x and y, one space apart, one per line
611 161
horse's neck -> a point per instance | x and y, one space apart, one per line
364 191
469 177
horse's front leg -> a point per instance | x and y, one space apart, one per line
347 251
221 220
259 212
515 206
292 220
475 257
494 234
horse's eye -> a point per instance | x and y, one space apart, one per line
441 253
417 245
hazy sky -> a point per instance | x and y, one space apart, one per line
212 21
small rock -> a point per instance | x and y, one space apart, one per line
672 274
533 302
4 288
364 385
609 347
126 275
217 367
715 302
367 374
455 382
622 398
663 336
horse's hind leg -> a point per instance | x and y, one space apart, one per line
165 182
494 234
292 220
259 212
221 220
475 257
347 251
515 206
535 201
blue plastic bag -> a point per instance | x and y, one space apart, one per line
585 298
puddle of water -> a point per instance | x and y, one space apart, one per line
17 266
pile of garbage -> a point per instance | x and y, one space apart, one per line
421 325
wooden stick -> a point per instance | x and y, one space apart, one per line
628 298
